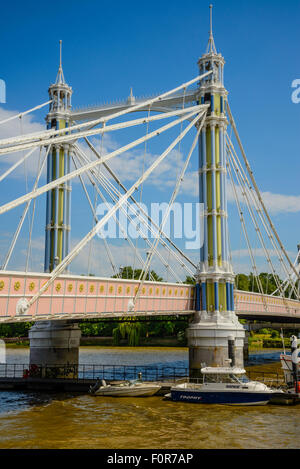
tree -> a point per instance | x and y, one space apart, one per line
131 329
242 282
190 280
127 273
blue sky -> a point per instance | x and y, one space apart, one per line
154 46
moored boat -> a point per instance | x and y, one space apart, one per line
133 388
223 385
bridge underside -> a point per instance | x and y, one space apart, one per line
79 297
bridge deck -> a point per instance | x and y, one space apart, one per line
80 297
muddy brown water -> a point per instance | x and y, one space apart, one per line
32 420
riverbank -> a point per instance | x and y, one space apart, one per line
263 344
106 342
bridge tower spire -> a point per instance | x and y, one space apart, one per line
215 277
58 200
57 342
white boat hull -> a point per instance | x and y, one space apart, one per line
142 390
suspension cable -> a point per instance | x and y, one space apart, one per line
258 192
106 184
93 164
110 189
254 221
93 176
108 251
105 119
256 204
21 114
241 215
14 240
166 215
164 235
68 259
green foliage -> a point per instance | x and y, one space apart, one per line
264 331
15 329
131 330
242 282
268 282
190 280
127 273
96 329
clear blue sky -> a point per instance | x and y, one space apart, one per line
154 46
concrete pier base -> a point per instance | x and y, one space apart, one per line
54 348
208 342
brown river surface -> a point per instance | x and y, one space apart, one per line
57 421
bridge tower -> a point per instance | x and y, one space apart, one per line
57 342
215 325
58 164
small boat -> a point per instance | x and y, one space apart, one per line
134 388
223 385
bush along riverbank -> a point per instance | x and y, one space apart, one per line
132 333
269 338
168 333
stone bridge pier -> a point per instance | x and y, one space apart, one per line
55 345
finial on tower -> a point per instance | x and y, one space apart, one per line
131 98
60 75
211 48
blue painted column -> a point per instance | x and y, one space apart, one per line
204 185
216 292
48 212
198 297
213 184
228 297
204 303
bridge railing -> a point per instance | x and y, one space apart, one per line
72 296
91 372
84 372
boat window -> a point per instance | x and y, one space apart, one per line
220 378
225 378
243 379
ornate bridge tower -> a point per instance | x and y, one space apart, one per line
215 323
58 164
57 342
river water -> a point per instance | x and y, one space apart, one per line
48 421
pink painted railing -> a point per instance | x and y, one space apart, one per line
88 296
261 305
77 296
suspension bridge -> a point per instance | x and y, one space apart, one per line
198 109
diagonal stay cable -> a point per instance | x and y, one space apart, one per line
108 251
166 215
94 177
256 204
118 181
68 259
93 164
114 194
14 240
258 192
129 109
